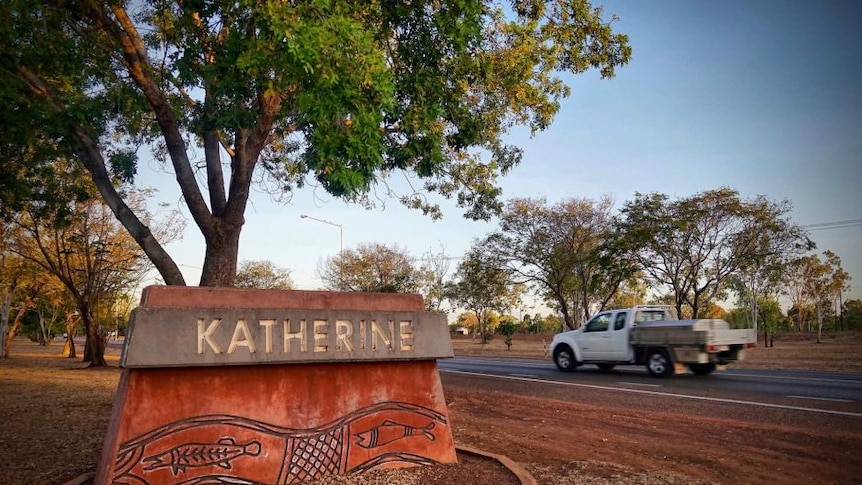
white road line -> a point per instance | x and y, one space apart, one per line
530 376
656 393
639 384
792 378
818 398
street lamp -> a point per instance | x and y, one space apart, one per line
341 244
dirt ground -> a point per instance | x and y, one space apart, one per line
54 413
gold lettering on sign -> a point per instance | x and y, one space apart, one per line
405 329
300 335
241 338
321 335
312 335
377 331
207 336
267 329
362 331
343 332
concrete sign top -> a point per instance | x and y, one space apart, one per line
187 337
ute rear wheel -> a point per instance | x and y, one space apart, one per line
564 358
658 363
702 369
605 367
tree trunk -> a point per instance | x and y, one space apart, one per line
69 347
94 347
5 309
222 250
12 330
819 323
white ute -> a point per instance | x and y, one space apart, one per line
651 336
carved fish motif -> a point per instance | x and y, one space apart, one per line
193 455
313 451
390 431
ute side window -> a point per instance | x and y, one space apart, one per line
599 323
620 321
649 316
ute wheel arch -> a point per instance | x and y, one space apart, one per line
564 358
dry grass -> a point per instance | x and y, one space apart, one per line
54 411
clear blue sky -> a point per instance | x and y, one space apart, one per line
760 96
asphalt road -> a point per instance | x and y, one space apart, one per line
813 393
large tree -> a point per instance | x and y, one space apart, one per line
90 255
372 267
339 94
817 282
693 245
562 250
482 285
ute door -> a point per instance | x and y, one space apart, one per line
594 340
618 338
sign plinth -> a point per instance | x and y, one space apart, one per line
277 387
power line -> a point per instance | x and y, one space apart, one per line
821 226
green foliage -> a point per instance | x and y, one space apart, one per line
694 245
340 94
852 315
507 329
815 282
482 286
564 250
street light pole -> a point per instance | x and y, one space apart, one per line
341 245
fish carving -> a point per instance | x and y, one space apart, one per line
308 453
390 431
193 455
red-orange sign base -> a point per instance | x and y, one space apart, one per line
276 423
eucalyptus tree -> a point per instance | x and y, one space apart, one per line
693 245
774 242
817 282
482 285
564 251
342 95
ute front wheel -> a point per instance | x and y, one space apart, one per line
658 363
564 358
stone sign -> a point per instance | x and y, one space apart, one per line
229 386
171 337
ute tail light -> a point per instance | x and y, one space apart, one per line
750 345
711 348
